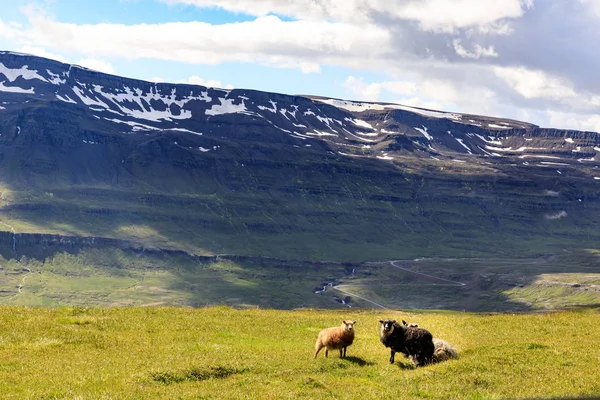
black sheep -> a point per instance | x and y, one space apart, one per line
442 350
414 342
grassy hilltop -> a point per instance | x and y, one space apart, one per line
222 353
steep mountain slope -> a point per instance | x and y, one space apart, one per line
211 171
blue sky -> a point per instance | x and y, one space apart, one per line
533 60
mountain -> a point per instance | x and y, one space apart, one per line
86 156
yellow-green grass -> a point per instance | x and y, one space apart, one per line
223 353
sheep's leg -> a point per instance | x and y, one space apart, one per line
392 356
326 352
344 352
317 349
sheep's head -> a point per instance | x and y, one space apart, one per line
348 326
387 326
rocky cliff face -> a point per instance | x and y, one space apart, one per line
295 173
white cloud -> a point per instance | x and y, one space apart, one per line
502 28
156 79
534 84
310 68
196 80
267 40
500 57
369 92
282 62
443 15
419 102
41 52
558 119
478 50
537 84
593 5
97 65
434 15
421 91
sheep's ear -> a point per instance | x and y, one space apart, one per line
381 321
404 322
393 321
353 322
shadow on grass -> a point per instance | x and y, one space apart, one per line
406 365
359 361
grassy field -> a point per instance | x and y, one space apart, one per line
222 353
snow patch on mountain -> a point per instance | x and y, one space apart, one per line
462 143
273 109
424 132
558 215
12 74
352 106
15 89
492 148
540 156
320 133
136 126
489 140
145 103
553 163
227 107
88 101
185 130
283 112
360 122
552 193
498 126
66 99
55 79
525 148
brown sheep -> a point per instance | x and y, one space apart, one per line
336 338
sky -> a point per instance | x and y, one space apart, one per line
532 60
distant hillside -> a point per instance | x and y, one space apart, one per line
89 160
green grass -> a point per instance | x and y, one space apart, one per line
222 353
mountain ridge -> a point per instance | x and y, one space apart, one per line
213 171
134 105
